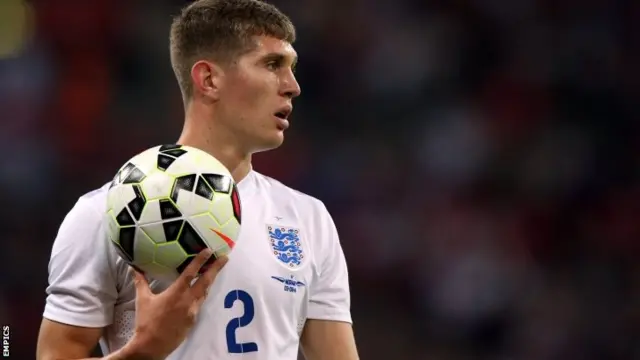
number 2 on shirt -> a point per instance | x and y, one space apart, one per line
235 323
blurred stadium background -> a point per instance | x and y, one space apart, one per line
481 159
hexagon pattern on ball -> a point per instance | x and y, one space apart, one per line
168 203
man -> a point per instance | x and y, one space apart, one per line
234 63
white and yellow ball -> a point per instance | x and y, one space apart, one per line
168 203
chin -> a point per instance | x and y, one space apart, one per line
271 142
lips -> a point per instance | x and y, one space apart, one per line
282 124
282 115
284 112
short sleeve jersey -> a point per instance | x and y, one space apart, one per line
287 267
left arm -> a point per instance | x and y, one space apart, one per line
328 334
328 340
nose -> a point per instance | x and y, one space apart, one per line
290 88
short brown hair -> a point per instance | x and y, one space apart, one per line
221 30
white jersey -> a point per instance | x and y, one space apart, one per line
259 302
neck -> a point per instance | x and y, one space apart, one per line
200 133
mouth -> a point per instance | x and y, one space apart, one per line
283 115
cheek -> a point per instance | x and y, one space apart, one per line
255 105
250 98
247 99
250 111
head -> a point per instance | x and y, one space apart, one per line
236 59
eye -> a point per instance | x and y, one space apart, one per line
273 65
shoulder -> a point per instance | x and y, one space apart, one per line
83 283
82 224
284 194
95 200
82 244
303 209
88 208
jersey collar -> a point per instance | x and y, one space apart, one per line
247 185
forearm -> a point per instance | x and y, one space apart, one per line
122 354
131 351
331 353
328 340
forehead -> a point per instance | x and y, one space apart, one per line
265 45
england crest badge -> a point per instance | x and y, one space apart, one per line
286 245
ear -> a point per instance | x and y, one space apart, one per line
206 77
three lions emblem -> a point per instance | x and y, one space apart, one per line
286 245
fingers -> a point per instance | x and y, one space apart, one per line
195 306
192 270
201 286
140 282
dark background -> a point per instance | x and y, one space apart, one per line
480 158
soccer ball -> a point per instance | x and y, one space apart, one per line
167 204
